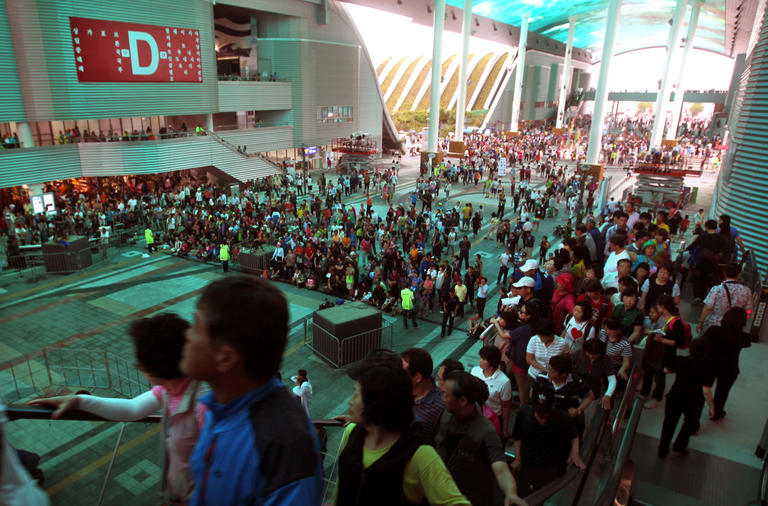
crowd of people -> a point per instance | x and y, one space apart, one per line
74 135
561 335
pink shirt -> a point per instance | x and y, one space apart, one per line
183 419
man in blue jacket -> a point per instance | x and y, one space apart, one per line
257 447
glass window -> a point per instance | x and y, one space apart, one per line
335 114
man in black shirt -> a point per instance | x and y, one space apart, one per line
571 394
710 248
450 308
545 442
727 341
693 384
464 247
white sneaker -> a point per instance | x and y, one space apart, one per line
652 404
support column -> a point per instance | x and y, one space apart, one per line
677 105
209 122
437 67
601 95
662 100
565 80
24 133
461 104
519 73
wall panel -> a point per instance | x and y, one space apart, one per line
12 108
40 31
253 96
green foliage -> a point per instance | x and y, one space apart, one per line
417 120
643 106
696 108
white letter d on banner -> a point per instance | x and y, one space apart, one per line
136 67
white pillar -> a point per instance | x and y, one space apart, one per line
693 22
437 68
519 73
605 185
209 122
461 107
662 100
601 95
565 79
25 135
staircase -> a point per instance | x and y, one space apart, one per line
248 166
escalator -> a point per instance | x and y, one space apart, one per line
605 449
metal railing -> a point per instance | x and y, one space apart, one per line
241 153
616 491
63 369
602 424
252 78
225 143
35 266
587 450
329 448
342 351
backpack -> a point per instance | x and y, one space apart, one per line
687 334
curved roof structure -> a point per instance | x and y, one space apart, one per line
644 23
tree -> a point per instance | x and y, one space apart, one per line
643 106
696 109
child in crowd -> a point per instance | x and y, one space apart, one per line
618 349
646 257
543 248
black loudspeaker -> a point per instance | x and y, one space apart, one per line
345 334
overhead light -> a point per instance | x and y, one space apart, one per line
453 15
429 9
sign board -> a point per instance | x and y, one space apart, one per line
669 143
48 202
37 204
310 150
113 51
596 171
502 166
757 322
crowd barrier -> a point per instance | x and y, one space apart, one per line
342 351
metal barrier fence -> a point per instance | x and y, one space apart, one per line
342 351
35 266
330 445
59 369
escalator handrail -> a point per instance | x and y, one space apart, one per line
638 355
24 412
608 493
589 445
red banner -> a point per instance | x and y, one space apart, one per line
113 51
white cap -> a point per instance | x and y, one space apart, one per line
529 265
525 281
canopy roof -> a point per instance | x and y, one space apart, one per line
643 23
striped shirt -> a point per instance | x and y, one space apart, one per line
428 410
616 351
542 353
